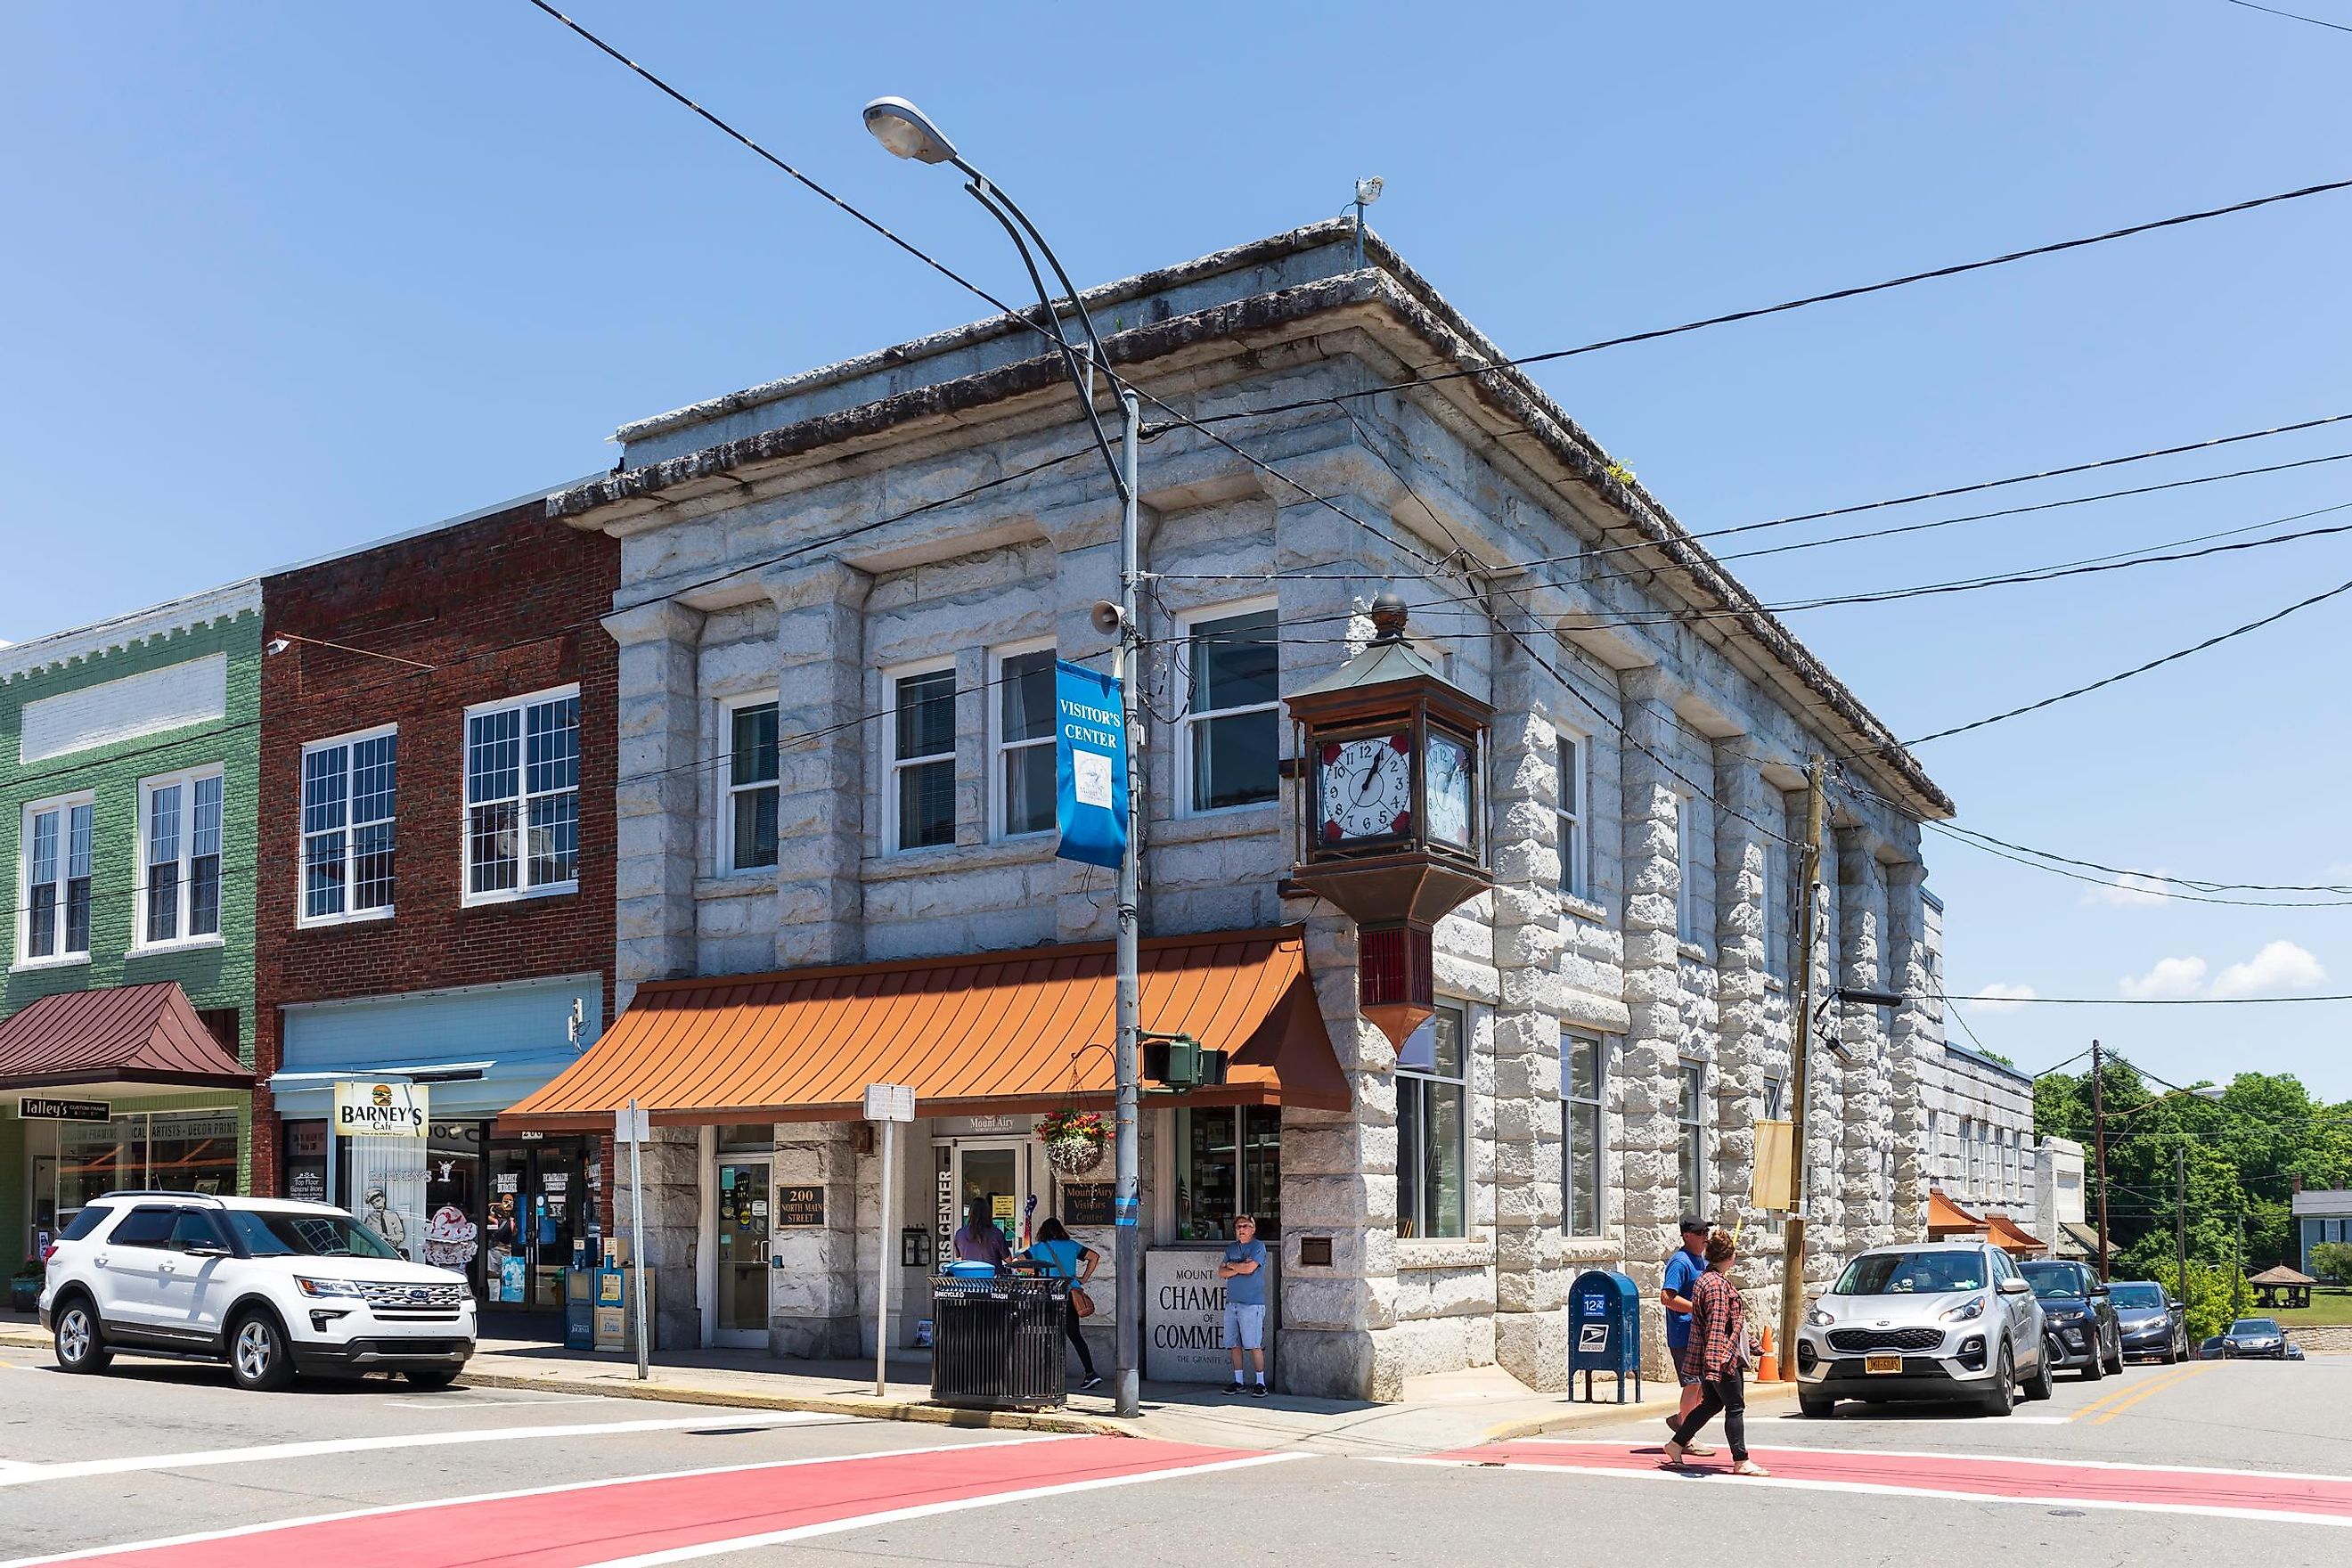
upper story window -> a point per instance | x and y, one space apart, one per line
1690 1145
1232 726
350 791
921 797
522 796
1772 910
1433 1128
751 786
1567 757
1022 706
56 923
180 858
1686 852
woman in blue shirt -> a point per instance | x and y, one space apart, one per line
1064 1259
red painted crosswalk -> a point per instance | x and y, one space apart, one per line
671 1518
2307 1499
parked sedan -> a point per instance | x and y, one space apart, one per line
2150 1321
2254 1339
2081 1316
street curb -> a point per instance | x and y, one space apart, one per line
1588 1415
867 1409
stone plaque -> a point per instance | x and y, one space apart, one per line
798 1206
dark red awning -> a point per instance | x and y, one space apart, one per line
126 1035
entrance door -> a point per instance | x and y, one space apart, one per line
742 1250
995 1172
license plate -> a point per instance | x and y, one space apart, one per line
1878 1363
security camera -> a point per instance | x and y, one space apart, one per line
1367 190
1108 617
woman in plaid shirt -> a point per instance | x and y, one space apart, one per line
1718 1351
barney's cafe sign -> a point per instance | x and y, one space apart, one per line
370 1110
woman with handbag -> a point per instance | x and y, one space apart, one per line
1064 1259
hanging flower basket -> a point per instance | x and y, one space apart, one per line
1075 1140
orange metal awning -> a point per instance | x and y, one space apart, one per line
2011 1236
1946 1217
1028 1030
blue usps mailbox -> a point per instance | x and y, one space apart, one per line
1604 1330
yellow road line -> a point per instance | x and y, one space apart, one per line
2144 1391
2117 1395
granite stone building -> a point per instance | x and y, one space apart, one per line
841 596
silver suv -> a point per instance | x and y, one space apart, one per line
272 1287
1942 1319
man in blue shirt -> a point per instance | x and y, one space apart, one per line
1682 1271
1243 1273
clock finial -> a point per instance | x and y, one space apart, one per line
1388 615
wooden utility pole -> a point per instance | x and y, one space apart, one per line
2099 1141
1793 1251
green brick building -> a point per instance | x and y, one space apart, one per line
129 759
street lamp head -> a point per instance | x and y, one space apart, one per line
1861 997
908 133
1369 189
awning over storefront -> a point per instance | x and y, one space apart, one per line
2010 1236
123 1040
1948 1221
974 1034
1947 1218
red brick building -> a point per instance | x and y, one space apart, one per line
434 907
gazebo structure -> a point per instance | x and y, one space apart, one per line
2273 1284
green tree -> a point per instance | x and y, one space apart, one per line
2333 1260
2206 1297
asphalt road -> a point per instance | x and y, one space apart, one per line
172 1467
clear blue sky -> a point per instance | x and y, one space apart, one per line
285 278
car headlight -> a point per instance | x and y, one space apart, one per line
1967 1311
311 1287
1819 1319
2064 1315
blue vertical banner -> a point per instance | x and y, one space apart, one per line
1089 766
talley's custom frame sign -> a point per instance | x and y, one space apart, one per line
1089 766
364 1109
31 1110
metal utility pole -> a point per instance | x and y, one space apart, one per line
1128 1193
906 132
2099 1141
1793 1252
2180 1222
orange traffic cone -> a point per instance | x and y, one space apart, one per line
1767 1365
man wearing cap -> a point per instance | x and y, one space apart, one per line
1684 1267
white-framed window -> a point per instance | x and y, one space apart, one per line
1686 851
1432 1127
179 890
351 788
522 796
1569 759
918 805
752 785
1021 740
1972 1154
1231 736
2008 1167
1584 1068
1690 1142
1774 910
53 921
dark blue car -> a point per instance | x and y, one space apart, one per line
2254 1339
2151 1322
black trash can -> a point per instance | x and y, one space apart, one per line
997 1343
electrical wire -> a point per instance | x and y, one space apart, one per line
2291 15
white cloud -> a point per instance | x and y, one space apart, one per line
2171 979
2130 889
2000 998
2279 968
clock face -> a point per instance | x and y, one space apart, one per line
1450 793
1366 787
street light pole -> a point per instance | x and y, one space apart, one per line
906 132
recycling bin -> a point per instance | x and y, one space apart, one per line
996 1342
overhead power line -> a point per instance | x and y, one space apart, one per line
2292 15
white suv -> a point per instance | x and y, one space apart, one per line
273 1287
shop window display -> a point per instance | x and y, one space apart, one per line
1228 1162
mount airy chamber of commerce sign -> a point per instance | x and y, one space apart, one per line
1184 1315
365 1109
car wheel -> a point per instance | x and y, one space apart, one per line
2001 1398
80 1346
2096 1367
2038 1385
2116 1364
1817 1406
259 1355
431 1376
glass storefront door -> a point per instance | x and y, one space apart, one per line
991 1172
742 1250
542 1202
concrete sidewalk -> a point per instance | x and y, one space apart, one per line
1448 1411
